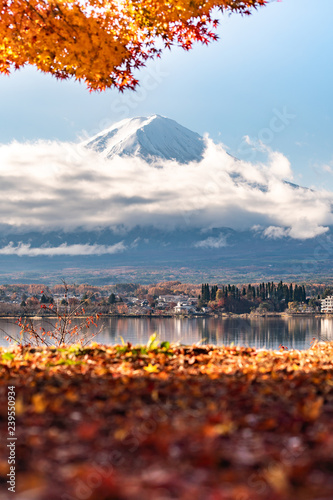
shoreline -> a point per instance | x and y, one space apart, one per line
180 316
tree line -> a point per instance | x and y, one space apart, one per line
274 296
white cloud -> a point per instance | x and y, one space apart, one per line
275 232
49 185
26 250
211 242
327 169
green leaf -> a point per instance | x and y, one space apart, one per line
153 342
121 349
65 362
8 356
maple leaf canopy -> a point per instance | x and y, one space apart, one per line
103 41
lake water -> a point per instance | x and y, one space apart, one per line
293 332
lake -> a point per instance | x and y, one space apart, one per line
292 332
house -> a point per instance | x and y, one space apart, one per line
327 304
172 298
183 308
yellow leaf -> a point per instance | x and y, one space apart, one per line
277 478
120 434
71 396
39 403
311 409
154 395
220 429
151 368
19 406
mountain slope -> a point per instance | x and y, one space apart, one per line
151 138
218 254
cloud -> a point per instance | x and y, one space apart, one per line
23 249
212 242
275 232
327 169
48 185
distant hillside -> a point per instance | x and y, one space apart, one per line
147 254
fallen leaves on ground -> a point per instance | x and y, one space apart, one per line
171 422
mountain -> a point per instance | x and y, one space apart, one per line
152 139
156 138
148 254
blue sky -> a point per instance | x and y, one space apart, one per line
277 62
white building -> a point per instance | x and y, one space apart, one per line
172 298
183 308
327 304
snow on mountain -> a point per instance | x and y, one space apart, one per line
149 138
157 138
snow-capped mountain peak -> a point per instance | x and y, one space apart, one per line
151 138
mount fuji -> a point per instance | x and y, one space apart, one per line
151 139
156 139
148 251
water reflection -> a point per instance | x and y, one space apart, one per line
327 329
293 332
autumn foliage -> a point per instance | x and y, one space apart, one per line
170 422
103 41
